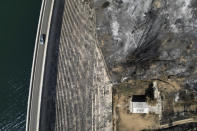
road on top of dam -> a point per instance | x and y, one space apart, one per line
35 91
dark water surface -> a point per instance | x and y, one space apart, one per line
18 26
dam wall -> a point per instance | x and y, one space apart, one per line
77 91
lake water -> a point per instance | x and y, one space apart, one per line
18 26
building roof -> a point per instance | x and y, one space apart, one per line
139 98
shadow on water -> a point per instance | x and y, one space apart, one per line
48 115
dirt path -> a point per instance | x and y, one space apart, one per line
178 122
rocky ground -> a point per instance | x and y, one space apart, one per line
148 38
151 40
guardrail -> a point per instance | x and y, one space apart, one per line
39 30
33 65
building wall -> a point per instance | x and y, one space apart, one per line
138 107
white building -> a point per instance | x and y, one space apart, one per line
139 107
138 104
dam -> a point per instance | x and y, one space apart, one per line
94 44
75 88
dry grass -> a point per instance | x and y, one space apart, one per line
118 69
169 85
179 106
183 60
131 88
157 3
151 102
136 122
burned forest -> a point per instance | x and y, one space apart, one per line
150 42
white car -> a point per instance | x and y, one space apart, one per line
42 39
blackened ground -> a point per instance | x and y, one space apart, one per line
151 40
139 34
